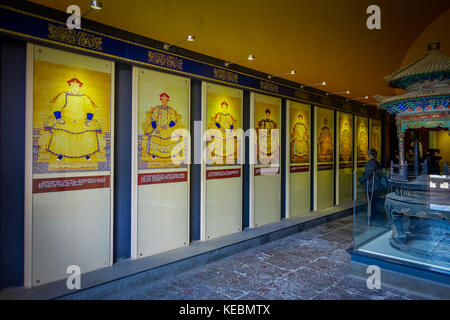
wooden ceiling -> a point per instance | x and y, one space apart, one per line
323 40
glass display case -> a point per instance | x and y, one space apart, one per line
407 221
405 217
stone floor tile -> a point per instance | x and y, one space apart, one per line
338 293
248 257
271 291
298 290
252 296
287 261
311 264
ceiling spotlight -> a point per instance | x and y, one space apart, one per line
277 75
250 57
189 38
96 5
323 83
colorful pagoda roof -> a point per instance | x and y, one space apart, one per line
427 89
434 65
427 85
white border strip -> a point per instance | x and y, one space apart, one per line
336 155
316 151
203 168
28 228
252 160
111 161
189 157
287 170
134 160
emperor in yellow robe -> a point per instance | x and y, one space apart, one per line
363 142
73 129
159 126
345 144
325 153
300 141
267 147
223 146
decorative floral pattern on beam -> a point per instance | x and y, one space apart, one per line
417 105
425 121
226 75
165 60
264 85
75 37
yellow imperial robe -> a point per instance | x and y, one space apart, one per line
300 141
74 133
266 147
223 147
362 145
325 145
160 123
345 146
376 140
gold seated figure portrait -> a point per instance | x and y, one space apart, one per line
325 153
300 142
267 139
72 137
160 143
222 144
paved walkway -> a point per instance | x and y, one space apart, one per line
307 265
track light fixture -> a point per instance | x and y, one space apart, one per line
95 5
281 74
189 38
359 98
323 83
250 57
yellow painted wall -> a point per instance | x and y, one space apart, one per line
443 143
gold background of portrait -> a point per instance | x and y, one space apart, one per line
151 85
362 138
260 114
213 101
296 110
375 137
50 79
323 114
345 139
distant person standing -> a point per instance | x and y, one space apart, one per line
410 155
434 161
373 188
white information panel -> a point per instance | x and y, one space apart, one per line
361 148
324 158
266 170
222 165
161 130
298 143
345 156
69 164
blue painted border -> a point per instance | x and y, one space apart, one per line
399 266
122 162
12 160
